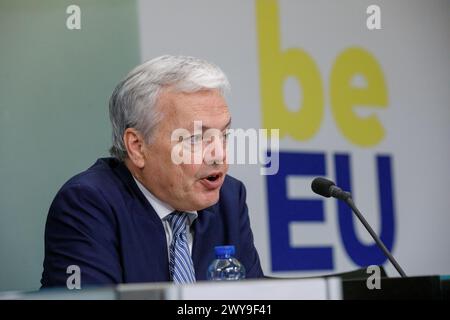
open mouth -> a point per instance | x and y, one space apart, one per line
213 177
212 181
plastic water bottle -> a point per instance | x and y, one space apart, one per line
225 266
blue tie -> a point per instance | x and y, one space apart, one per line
181 266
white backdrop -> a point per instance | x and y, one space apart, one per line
412 50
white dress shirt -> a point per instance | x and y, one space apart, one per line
163 210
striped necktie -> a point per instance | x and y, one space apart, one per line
181 266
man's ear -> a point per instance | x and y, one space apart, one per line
134 143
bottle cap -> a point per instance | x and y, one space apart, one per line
224 251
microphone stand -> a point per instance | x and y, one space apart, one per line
351 204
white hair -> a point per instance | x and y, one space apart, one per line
133 101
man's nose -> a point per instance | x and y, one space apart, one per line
215 151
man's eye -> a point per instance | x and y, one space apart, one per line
196 138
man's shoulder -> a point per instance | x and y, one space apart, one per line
232 182
232 188
102 175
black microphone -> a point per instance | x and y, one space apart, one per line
327 188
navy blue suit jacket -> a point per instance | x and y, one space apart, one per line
101 222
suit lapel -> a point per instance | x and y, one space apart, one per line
207 235
140 206
126 177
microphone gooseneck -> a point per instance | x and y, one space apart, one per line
328 188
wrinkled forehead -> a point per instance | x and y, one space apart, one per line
207 106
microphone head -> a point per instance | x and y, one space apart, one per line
322 186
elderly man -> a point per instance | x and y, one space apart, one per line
143 216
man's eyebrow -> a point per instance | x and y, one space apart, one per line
204 128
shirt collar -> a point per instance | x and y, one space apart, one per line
162 209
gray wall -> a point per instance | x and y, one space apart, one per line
54 88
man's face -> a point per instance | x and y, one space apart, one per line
187 186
